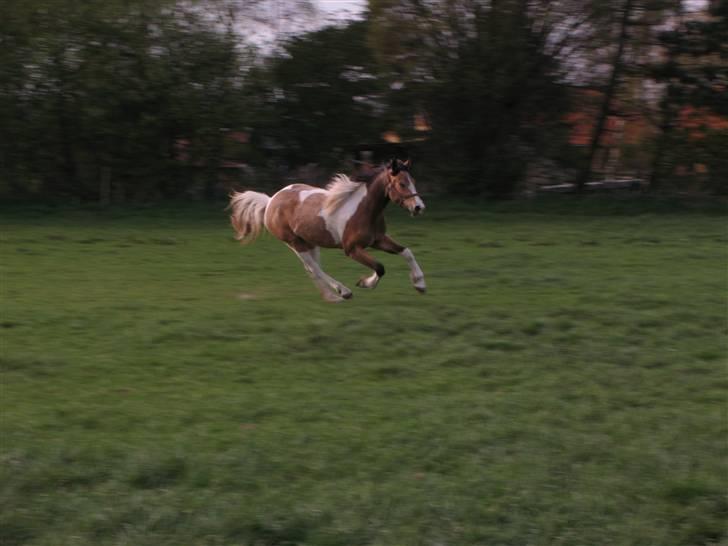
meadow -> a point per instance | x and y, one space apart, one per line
563 381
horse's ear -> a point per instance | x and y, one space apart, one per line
394 166
407 164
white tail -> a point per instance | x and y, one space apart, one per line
247 213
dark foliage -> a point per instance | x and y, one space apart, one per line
142 100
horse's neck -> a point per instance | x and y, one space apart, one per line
376 199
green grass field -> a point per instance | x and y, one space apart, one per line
563 382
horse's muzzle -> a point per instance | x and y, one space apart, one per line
417 209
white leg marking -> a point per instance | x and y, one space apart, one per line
416 275
330 288
369 282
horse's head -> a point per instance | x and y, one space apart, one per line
401 187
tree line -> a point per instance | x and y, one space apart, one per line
140 100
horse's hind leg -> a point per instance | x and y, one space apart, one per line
331 289
342 290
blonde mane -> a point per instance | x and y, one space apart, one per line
339 190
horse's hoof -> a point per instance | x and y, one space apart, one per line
332 298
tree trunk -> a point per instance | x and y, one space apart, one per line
660 146
609 92
667 112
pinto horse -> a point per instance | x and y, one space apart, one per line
347 215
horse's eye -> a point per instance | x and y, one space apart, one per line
401 184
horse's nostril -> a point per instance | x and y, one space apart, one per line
418 208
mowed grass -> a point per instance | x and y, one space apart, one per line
563 382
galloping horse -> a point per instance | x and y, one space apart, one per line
347 215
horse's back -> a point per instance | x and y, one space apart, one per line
296 199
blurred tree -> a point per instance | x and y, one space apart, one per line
608 91
121 99
693 123
481 73
96 95
633 46
323 101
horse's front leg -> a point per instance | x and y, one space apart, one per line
387 244
360 255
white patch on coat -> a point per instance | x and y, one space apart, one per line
337 219
303 195
339 190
